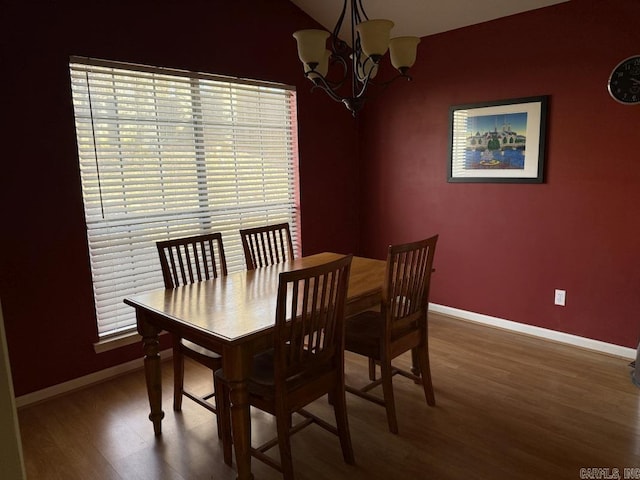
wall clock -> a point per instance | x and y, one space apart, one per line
624 82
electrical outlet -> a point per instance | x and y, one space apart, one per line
560 297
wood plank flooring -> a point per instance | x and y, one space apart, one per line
509 406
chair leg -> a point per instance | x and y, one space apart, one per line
224 420
415 364
342 422
216 387
372 369
178 377
283 421
387 390
425 370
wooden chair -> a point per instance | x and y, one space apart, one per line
184 261
399 326
266 245
305 363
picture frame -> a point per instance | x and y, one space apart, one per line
498 142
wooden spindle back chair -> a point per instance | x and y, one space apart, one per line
267 245
305 363
191 259
185 261
399 326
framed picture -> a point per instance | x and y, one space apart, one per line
498 142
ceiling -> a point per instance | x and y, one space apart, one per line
421 17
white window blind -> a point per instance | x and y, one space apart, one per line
166 154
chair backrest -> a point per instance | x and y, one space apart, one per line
405 295
268 245
191 259
309 326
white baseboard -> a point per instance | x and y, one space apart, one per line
582 342
102 375
80 382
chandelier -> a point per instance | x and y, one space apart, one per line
370 40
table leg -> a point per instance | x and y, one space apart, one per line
236 368
151 344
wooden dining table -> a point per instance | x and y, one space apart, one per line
234 315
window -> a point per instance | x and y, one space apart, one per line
166 154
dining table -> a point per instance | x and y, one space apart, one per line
234 315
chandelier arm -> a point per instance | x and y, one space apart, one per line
384 85
345 71
355 47
325 82
353 104
380 87
320 82
361 10
336 43
363 88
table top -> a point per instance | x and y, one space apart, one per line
243 304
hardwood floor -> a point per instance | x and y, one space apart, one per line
508 406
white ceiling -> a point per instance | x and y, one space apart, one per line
421 17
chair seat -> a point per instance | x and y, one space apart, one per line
204 356
363 334
262 371
262 380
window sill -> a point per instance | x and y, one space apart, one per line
118 341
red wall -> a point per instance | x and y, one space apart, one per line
503 249
45 281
